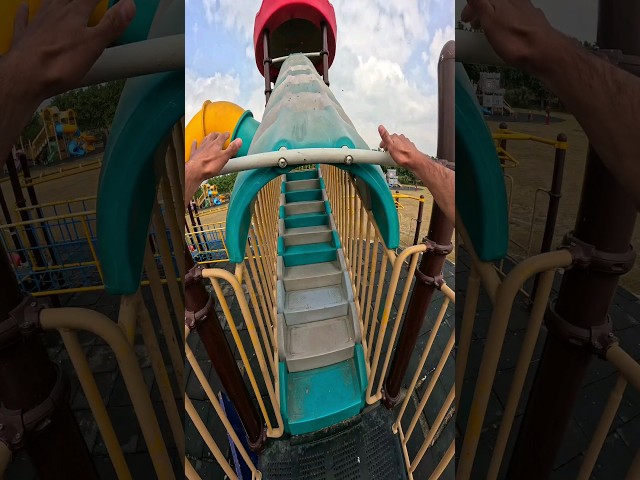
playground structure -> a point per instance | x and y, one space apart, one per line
209 196
36 414
63 133
523 439
490 94
317 292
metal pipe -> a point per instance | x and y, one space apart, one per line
606 219
473 47
308 55
416 236
440 232
215 342
308 156
89 320
325 54
266 70
155 55
555 193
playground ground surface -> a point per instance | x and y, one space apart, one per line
535 170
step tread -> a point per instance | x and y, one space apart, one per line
323 392
312 270
309 248
321 338
314 298
302 230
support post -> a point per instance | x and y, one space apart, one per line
429 272
416 236
267 66
12 231
325 54
200 315
33 392
605 222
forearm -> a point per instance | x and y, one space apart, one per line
17 105
441 182
191 182
606 102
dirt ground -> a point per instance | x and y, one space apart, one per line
535 170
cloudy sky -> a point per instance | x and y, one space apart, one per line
573 17
384 70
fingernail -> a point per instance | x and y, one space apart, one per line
127 10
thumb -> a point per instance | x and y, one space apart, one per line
234 148
115 22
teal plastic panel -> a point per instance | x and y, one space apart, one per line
296 255
318 398
303 113
303 196
481 198
148 108
306 220
245 129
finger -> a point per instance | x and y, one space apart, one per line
468 14
210 138
85 7
384 135
114 22
194 147
233 148
221 139
482 9
20 22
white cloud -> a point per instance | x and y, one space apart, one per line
218 87
438 41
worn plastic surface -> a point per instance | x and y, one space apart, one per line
148 108
481 198
303 113
319 398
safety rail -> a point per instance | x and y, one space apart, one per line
502 293
207 243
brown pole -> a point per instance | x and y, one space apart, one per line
605 220
416 237
267 66
28 380
200 315
429 273
13 232
555 193
503 142
190 208
325 54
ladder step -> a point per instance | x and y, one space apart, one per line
305 235
312 275
303 196
302 175
318 344
306 220
294 185
298 208
295 255
313 304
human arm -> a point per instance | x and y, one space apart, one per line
40 64
206 161
604 98
440 180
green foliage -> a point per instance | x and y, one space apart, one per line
32 129
405 176
224 183
95 106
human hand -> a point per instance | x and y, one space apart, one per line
207 160
53 52
518 32
402 150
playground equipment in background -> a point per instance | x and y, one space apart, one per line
64 135
315 280
490 95
209 196
392 178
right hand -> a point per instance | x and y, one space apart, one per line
518 32
402 150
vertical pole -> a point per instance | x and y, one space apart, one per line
555 193
325 54
503 143
429 273
27 379
605 220
200 314
267 66
416 237
190 208
21 202
12 231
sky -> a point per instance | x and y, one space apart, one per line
576 18
385 69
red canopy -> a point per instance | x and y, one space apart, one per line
273 13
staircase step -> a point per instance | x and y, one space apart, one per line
312 275
315 399
294 185
313 304
298 208
303 196
305 235
302 175
295 255
306 220
318 344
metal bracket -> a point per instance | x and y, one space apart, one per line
437 248
191 319
23 321
598 338
14 424
438 280
193 275
588 257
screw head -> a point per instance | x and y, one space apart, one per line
282 162
34 304
348 159
18 437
